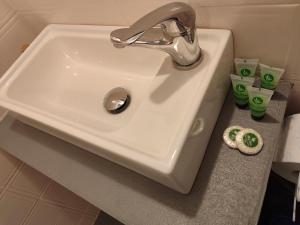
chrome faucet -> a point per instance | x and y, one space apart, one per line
170 28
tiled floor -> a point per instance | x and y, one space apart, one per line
27 197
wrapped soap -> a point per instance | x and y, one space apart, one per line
230 134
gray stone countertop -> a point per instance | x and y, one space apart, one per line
229 188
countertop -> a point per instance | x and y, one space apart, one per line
229 188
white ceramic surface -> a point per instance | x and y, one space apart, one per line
59 83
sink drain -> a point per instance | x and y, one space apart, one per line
116 100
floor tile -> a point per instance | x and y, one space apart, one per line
14 208
9 165
58 194
30 181
92 210
88 220
47 214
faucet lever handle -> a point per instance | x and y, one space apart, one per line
182 14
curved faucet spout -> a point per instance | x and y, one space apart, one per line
170 28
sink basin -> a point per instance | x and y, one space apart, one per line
59 84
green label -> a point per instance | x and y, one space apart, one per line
268 81
257 106
233 133
245 72
268 77
258 100
241 94
241 88
250 140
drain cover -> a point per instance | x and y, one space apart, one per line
116 100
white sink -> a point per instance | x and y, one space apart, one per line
59 83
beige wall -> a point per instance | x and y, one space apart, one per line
13 32
267 29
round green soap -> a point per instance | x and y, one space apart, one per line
229 135
249 141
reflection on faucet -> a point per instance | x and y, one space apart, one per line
170 28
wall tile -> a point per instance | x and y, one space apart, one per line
100 12
86 12
58 194
6 12
293 60
14 208
268 29
47 214
260 31
9 165
264 30
50 5
37 22
35 5
29 181
12 36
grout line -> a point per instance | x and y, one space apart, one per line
11 178
10 4
29 215
26 218
91 213
61 205
81 219
7 17
24 192
46 188
8 25
85 213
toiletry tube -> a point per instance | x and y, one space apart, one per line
240 86
245 67
270 76
259 99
